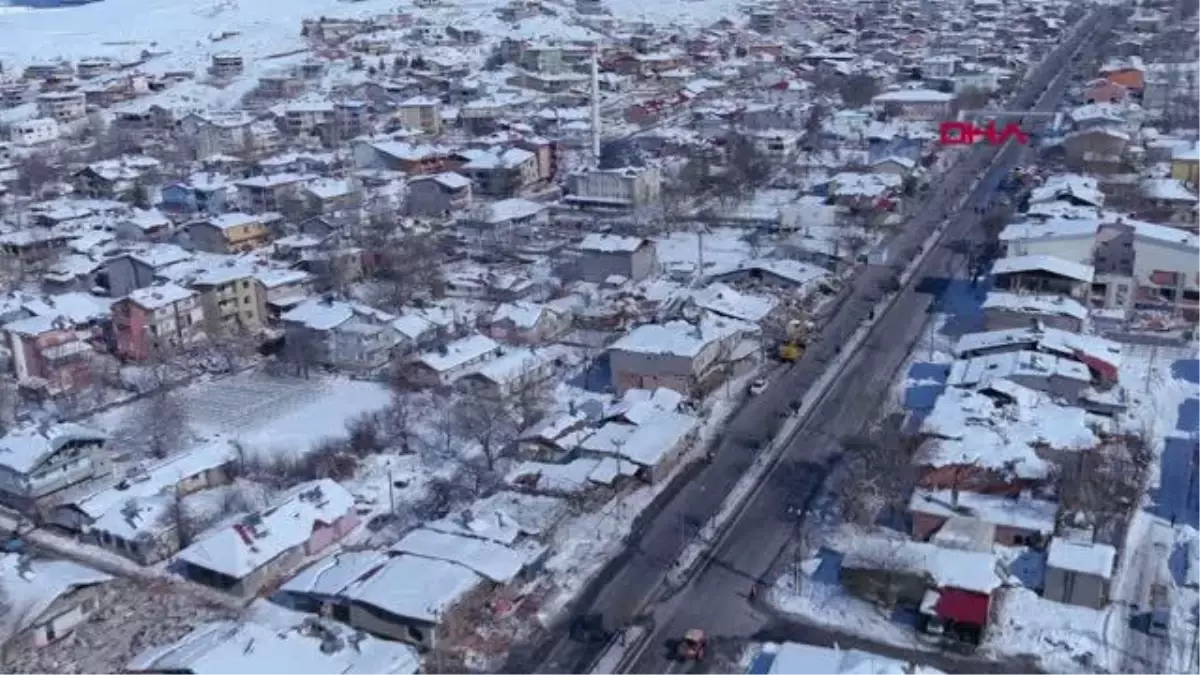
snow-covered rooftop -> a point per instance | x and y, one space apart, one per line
158 297
240 549
23 449
157 478
611 243
1049 305
240 647
679 338
459 352
415 587
794 658
946 567
1043 338
1044 263
969 427
1084 557
981 370
1023 512
30 587
492 560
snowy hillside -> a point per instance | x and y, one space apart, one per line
188 31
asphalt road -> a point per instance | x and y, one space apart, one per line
717 600
746 556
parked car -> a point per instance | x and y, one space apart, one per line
757 386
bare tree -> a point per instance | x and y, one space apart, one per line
446 429
696 179
304 350
365 435
176 517
1105 482
36 171
403 266
994 222
488 421
812 124
858 90
853 243
400 421
9 400
530 399
877 473
972 98
891 111
112 141
165 425
226 353
748 165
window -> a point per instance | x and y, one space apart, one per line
245 284
249 315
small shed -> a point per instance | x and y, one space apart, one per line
1078 572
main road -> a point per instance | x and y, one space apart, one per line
631 582
716 600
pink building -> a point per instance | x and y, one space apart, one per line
157 318
249 557
51 353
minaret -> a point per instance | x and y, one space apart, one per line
596 106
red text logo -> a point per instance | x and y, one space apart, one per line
967 133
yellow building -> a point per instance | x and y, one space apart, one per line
233 300
1185 165
229 233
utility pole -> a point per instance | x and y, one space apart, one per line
596 106
391 491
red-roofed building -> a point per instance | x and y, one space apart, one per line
963 613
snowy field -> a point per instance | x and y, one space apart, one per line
266 414
189 31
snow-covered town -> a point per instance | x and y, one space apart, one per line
442 336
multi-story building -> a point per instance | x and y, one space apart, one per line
40 466
35 131
269 193
217 133
157 319
62 106
229 233
232 298
917 104
422 114
226 65
624 188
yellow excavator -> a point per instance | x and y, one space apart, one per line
792 347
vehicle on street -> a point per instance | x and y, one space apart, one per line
692 646
758 386
792 347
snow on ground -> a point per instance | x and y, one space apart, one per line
132 616
265 414
1066 638
183 34
1161 383
816 596
723 248
957 312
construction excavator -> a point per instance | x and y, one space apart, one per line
794 341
